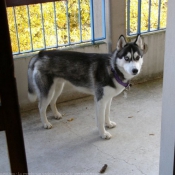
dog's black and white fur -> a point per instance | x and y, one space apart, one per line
102 75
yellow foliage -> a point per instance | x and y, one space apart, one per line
29 24
145 15
49 20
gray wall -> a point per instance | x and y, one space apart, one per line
154 58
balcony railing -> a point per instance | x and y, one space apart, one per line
145 16
55 24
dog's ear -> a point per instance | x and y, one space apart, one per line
121 42
140 42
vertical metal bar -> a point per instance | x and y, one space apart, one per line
149 16
9 99
42 21
92 21
55 21
68 22
139 17
79 19
128 17
103 19
159 11
16 28
29 24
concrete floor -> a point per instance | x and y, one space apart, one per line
73 145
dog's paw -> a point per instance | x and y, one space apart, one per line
47 125
58 116
111 125
106 135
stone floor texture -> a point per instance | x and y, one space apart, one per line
73 145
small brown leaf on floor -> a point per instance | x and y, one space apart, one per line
71 119
151 134
103 169
130 117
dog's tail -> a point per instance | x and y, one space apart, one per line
31 87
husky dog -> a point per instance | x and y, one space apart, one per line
102 75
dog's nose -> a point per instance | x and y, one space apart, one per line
135 71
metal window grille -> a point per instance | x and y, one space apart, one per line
41 26
145 16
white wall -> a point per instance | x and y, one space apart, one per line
168 106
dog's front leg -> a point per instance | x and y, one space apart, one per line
100 118
109 123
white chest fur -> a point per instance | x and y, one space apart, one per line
112 92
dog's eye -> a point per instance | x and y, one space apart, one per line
127 58
137 58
